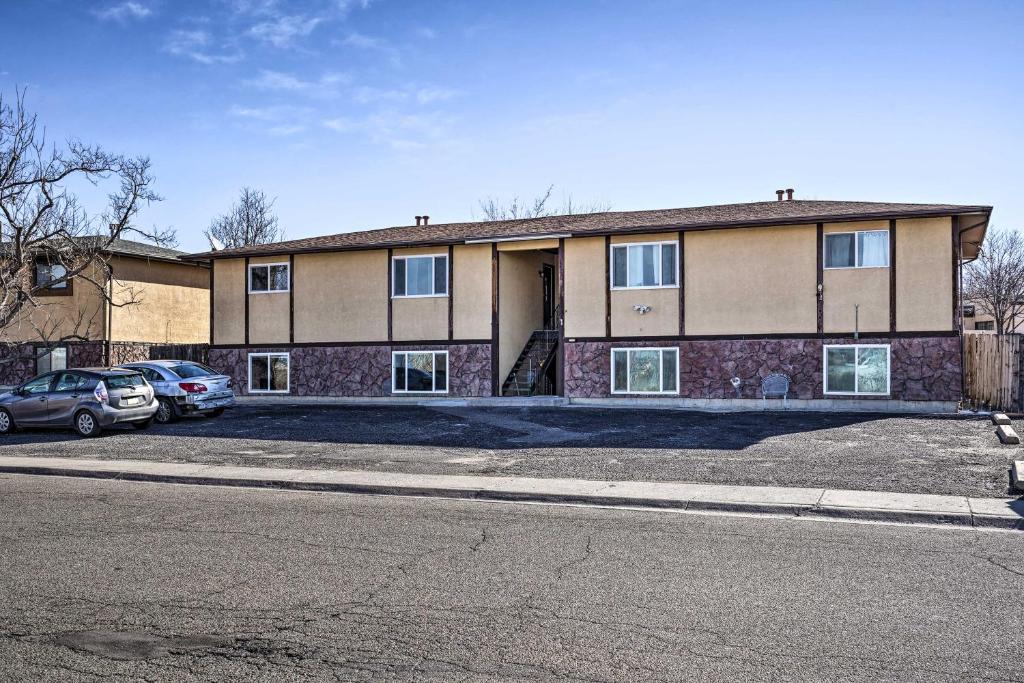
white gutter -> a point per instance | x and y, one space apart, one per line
518 239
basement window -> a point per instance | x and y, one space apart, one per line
269 373
419 372
268 277
644 265
645 371
420 276
857 369
865 249
54 359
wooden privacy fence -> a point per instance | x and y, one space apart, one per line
992 371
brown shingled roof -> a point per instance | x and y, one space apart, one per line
695 218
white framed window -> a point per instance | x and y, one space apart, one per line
54 359
47 274
269 277
645 371
863 249
644 265
269 373
420 275
857 369
419 372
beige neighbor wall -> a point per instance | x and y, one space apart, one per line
585 287
341 296
520 303
83 312
229 287
751 280
173 302
471 289
268 311
845 288
419 318
663 318
924 274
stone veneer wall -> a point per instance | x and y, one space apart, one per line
363 371
86 354
921 368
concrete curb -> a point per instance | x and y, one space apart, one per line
1004 513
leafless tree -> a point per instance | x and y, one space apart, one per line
994 282
499 210
46 228
250 221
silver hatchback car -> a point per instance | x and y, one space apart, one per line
86 399
185 387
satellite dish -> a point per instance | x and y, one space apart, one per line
215 244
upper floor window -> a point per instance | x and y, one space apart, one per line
47 275
420 276
268 277
865 249
653 264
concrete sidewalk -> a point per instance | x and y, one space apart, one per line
1005 513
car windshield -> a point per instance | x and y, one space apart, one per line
187 370
121 381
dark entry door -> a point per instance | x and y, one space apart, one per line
547 274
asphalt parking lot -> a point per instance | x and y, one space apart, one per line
956 455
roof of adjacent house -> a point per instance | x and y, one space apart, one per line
610 222
144 250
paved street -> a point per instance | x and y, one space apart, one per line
938 454
160 582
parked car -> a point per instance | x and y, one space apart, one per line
86 399
185 387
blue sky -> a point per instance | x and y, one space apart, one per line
358 114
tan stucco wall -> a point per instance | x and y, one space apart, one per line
844 288
528 245
585 287
751 280
341 296
924 275
662 319
173 302
520 303
416 318
268 311
471 289
229 301
82 313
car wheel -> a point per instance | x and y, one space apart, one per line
6 422
143 424
86 424
216 412
167 412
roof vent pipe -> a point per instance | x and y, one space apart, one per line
789 193
418 219
779 193
426 219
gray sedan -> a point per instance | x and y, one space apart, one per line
87 399
185 387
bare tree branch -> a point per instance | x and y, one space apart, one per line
250 221
515 208
994 282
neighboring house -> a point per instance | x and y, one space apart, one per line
975 319
173 307
850 299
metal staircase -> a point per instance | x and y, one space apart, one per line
529 375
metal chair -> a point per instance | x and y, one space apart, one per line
775 385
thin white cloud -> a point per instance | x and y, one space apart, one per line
346 6
279 120
396 130
194 44
123 12
283 31
365 42
277 81
425 32
420 94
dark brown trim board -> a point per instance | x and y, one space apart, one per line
212 271
892 275
820 286
607 285
495 361
682 285
332 345
560 370
391 291
773 335
246 290
291 298
451 294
